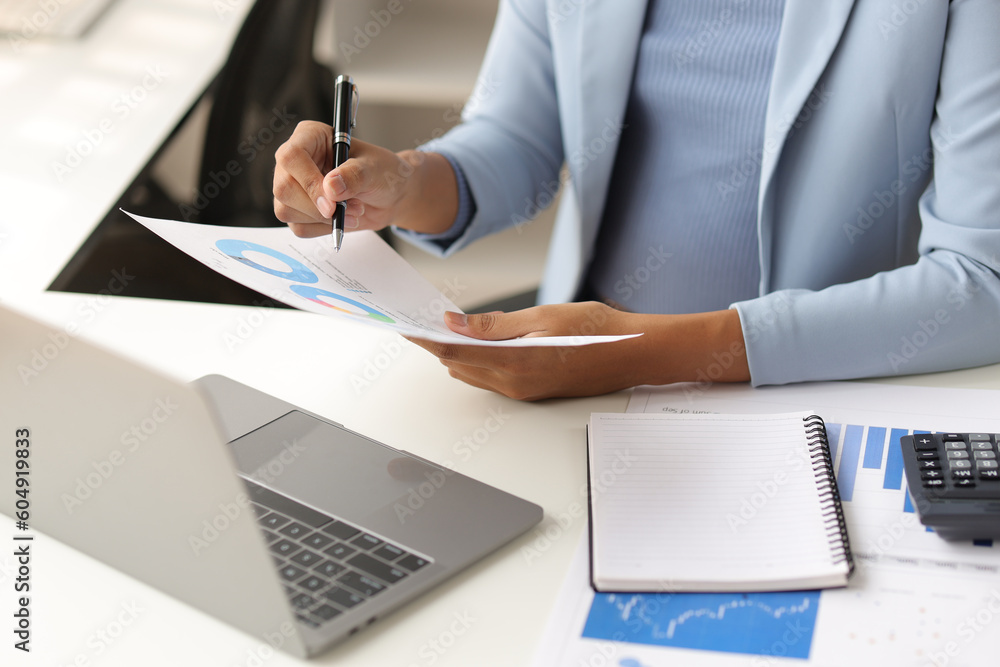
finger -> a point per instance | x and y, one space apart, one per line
300 164
495 325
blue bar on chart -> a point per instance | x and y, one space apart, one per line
874 446
847 473
894 464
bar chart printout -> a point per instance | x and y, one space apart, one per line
869 468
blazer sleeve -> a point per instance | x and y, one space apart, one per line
509 145
943 312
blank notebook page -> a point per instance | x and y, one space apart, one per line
707 502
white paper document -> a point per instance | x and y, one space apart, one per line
366 281
915 600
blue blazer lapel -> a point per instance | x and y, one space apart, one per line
810 32
605 52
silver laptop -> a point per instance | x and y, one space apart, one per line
266 516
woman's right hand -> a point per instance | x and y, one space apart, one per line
411 189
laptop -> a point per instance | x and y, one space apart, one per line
271 518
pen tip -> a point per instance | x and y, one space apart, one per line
338 239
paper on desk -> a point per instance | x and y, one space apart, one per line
367 281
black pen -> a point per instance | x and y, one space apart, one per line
345 114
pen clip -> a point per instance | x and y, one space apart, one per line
357 98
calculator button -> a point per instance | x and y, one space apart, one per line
952 436
964 483
989 474
931 474
960 463
958 455
930 465
923 443
928 456
931 483
985 455
986 464
961 474
954 445
973 437
982 446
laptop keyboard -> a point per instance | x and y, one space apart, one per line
326 565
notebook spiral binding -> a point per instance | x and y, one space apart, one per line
835 524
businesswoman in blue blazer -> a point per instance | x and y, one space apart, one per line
771 191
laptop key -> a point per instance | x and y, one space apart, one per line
376 568
361 583
302 618
343 597
326 612
388 552
340 529
270 537
294 530
411 562
291 572
366 541
303 601
307 558
273 520
329 569
317 540
340 550
313 583
284 548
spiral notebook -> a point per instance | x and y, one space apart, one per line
708 502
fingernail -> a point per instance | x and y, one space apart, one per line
458 319
351 222
325 207
336 183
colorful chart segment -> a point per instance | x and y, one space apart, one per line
301 277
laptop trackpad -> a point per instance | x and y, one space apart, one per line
332 469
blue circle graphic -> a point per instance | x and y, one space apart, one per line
298 272
314 294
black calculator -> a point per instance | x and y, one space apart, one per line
954 482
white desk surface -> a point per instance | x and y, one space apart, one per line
110 99
411 403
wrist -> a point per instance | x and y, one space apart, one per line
699 347
429 202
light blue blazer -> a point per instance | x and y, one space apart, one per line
879 196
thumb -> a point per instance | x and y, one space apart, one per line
489 326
